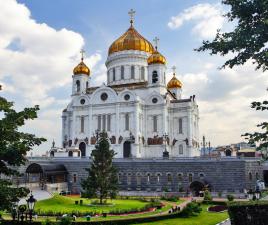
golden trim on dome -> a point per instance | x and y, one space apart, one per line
131 40
156 57
81 68
174 82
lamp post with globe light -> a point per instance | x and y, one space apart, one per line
31 203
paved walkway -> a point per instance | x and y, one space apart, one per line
38 195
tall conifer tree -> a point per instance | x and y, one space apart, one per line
102 179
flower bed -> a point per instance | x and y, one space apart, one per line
217 208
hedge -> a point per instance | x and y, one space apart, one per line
248 213
126 221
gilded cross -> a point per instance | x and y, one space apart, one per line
174 69
156 40
82 51
131 13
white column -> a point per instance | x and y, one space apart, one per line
73 127
190 133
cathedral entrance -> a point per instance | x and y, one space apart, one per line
196 187
82 147
127 149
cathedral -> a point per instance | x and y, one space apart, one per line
143 115
153 129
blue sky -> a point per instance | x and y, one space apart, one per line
40 43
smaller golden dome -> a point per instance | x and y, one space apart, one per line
81 68
174 83
156 58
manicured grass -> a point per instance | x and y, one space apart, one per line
62 204
204 218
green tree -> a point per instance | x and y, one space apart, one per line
261 137
14 145
102 179
249 38
248 41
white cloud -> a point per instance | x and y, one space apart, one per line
207 18
35 60
224 98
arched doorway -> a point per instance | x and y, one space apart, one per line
82 147
52 154
196 187
70 153
127 149
228 152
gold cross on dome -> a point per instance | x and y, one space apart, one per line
174 69
82 51
131 13
156 40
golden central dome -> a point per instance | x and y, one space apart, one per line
131 40
156 58
81 68
174 83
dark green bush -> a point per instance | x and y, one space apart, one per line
207 196
247 213
171 198
191 209
230 198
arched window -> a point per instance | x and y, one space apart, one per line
113 74
155 77
180 178
142 73
250 176
190 177
180 125
74 178
82 124
154 123
70 154
181 149
77 85
257 176
127 122
158 178
87 85
138 179
129 179
122 72
148 178
169 178
132 72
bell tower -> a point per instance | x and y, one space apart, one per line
81 77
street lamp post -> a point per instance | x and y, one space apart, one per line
31 203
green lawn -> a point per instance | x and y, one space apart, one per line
204 218
62 204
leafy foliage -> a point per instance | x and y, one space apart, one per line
248 39
102 175
207 196
14 146
191 209
259 137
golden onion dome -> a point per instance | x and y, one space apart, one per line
81 68
156 58
131 40
174 83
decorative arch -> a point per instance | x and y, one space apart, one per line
228 152
111 95
154 94
82 148
78 88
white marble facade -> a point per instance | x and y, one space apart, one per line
134 107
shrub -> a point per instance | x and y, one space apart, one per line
207 196
47 222
230 198
191 209
170 198
252 212
66 221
